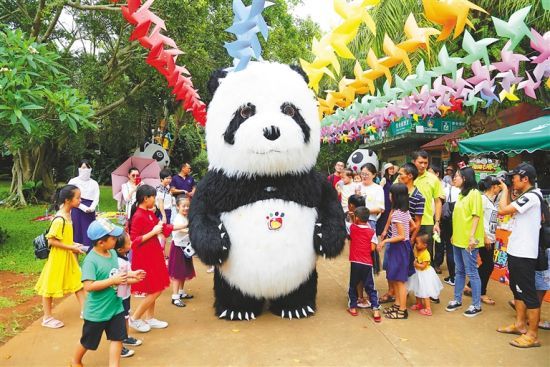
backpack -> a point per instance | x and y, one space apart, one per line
544 236
41 247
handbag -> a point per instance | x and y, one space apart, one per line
448 207
40 242
188 251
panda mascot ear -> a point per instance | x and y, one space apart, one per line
299 70
215 80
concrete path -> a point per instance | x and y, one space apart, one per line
332 337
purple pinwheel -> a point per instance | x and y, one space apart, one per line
529 86
510 60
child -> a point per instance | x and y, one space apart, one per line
354 202
103 310
424 282
147 254
61 273
362 242
122 247
399 251
164 197
357 177
180 267
346 188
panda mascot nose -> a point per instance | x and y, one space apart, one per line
272 132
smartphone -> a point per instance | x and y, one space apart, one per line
138 180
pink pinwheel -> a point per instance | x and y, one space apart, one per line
508 78
542 70
481 73
510 60
458 83
542 45
529 86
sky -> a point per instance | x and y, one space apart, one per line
320 11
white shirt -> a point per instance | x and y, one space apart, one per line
181 236
524 239
451 196
89 189
163 195
490 213
123 289
129 200
374 198
346 191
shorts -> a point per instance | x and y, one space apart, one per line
115 328
126 305
522 280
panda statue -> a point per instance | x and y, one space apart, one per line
360 157
261 214
154 151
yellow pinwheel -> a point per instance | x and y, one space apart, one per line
417 36
377 67
450 14
509 95
394 51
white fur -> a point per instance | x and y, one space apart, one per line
369 156
267 86
269 263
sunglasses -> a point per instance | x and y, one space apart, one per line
134 175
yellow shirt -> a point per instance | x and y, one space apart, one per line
431 188
422 257
466 208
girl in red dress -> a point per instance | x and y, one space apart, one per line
144 228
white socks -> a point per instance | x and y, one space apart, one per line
175 296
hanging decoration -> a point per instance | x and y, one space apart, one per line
161 58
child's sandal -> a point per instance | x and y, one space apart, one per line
178 303
398 315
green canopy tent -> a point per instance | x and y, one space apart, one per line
528 136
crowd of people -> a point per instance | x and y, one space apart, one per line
419 218
410 215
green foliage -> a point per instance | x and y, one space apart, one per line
200 165
332 153
3 235
188 146
36 98
6 303
30 190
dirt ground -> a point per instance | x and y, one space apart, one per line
195 337
24 305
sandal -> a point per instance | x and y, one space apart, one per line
52 323
425 312
525 341
488 300
544 325
178 303
398 315
392 308
386 298
511 329
512 304
353 311
417 307
186 296
376 316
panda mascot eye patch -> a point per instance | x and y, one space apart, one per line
262 214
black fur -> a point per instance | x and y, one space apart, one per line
230 299
306 130
236 121
214 81
217 193
299 70
297 302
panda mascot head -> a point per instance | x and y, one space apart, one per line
156 152
262 121
360 157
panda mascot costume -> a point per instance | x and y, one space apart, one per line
261 214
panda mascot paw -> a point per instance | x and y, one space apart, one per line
262 214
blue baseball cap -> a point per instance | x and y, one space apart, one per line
102 227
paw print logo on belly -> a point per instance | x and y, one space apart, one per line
275 220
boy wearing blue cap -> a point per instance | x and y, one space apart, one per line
103 309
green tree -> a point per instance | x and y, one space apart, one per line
38 109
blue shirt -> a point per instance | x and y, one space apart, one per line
180 183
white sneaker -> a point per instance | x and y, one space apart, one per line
139 325
156 324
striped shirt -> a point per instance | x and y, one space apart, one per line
404 218
416 203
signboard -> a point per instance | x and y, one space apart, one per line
484 167
429 126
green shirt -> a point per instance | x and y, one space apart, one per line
431 188
104 304
466 208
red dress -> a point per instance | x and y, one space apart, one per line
148 255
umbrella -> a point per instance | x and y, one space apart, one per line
149 170
528 136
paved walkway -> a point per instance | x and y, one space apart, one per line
331 338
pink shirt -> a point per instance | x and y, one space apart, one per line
404 218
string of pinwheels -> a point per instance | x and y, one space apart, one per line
442 89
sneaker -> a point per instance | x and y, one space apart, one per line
450 281
365 304
156 324
453 306
132 341
472 311
139 325
435 300
125 352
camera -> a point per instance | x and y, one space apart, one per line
504 177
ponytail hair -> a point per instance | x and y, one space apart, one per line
143 192
67 192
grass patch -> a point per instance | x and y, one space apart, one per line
27 292
17 254
6 302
